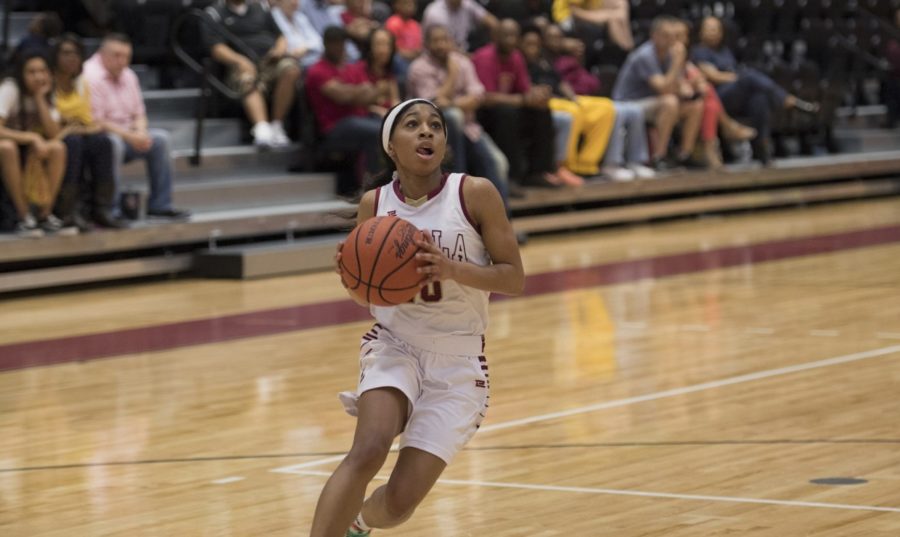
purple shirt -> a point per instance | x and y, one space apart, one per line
116 101
459 23
499 75
426 76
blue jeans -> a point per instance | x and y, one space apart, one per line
481 157
753 95
159 167
628 142
562 127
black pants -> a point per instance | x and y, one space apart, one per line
891 96
525 135
89 182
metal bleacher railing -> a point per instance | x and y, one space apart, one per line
195 56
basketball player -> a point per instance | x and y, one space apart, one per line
423 373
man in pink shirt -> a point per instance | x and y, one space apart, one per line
448 78
515 113
461 17
118 106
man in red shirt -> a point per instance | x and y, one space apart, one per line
340 107
514 112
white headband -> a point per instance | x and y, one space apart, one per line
388 124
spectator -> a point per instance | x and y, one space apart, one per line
462 17
407 33
714 114
651 77
447 77
376 69
891 89
87 146
272 68
743 91
612 15
118 108
29 122
341 111
515 113
303 41
358 21
44 27
323 14
592 117
626 152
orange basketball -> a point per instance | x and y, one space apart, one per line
378 261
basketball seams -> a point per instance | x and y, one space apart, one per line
384 239
391 273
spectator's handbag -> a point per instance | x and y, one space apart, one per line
35 183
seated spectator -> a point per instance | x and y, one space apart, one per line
272 69
87 146
714 114
304 43
358 21
651 77
515 113
29 124
324 13
343 121
891 89
447 77
44 27
376 69
627 150
592 117
592 20
462 17
407 33
743 91
118 108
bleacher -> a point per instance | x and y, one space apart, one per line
253 217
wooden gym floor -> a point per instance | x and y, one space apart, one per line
691 378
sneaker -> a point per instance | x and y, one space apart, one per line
642 172
55 226
354 531
27 228
263 136
619 175
279 137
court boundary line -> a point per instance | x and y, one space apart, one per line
674 392
639 493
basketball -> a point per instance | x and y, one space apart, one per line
378 261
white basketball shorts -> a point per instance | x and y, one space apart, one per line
448 393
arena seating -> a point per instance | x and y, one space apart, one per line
823 50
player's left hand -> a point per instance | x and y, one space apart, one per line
435 265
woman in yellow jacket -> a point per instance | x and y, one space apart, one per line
593 118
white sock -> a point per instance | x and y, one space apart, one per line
360 523
277 124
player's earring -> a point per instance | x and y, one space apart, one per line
394 175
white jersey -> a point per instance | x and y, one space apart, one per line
447 314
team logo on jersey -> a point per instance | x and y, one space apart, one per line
392 213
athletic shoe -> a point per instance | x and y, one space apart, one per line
619 175
642 172
55 226
279 137
27 228
263 136
354 531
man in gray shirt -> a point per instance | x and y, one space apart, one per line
651 77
